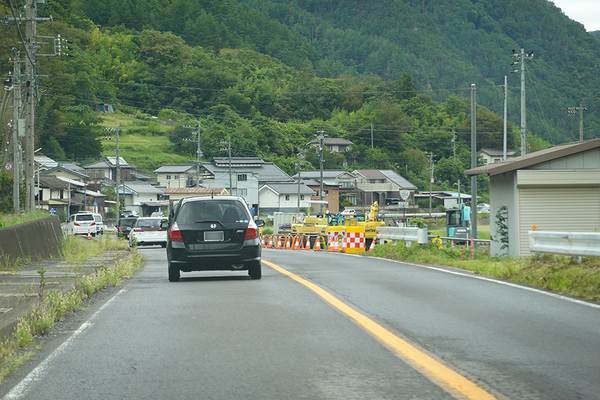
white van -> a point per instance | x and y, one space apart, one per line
99 224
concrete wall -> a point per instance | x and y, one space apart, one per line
33 240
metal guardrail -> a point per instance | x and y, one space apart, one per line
584 244
407 234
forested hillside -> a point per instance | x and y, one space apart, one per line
392 76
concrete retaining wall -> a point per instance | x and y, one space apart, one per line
34 240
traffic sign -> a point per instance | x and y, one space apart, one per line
8 166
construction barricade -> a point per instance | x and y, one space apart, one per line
335 237
355 239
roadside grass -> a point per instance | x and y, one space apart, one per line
565 275
16 219
54 305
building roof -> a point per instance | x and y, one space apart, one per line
288 188
327 174
534 158
332 142
175 169
387 174
46 162
198 191
496 152
53 182
140 187
51 171
266 171
108 162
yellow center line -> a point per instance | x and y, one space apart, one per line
442 375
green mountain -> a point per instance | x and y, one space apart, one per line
392 76
446 45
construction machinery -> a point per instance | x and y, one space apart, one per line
458 223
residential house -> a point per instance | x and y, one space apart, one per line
180 193
177 175
378 185
335 145
286 197
556 189
336 183
104 172
142 197
243 176
490 156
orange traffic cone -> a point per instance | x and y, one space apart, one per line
263 242
318 244
89 236
307 243
297 243
334 245
343 245
279 242
372 244
270 245
288 243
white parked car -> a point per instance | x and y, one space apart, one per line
348 211
146 231
99 224
483 208
81 224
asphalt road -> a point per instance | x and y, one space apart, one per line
412 332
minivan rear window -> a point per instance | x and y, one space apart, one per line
204 211
84 217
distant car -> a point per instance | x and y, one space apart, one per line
349 211
157 214
483 208
213 233
99 224
392 200
128 213
147 231
81 224
124 226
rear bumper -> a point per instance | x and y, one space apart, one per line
240 259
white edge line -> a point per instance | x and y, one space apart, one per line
21 389
493 280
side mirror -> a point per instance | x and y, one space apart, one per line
164 224
259 223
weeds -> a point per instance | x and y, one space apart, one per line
559 274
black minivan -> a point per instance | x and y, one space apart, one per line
213 233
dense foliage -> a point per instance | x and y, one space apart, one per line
393 77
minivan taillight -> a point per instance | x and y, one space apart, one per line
252 231
175 233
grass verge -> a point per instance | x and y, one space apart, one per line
54 305
565 275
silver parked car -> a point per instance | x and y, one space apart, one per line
147 231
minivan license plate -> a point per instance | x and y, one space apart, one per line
213 236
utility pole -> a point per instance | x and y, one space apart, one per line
300 157
572 111
118 164
31 47
371 135
16 88
473 160
521 57
321 138
431 166
505 116
198 153
228 149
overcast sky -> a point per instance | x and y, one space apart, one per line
586 12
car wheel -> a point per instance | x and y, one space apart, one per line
173 273
255 270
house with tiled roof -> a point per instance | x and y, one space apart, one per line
142 197
177 175
288 197
180 193
378 185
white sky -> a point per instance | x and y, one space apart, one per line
586 12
